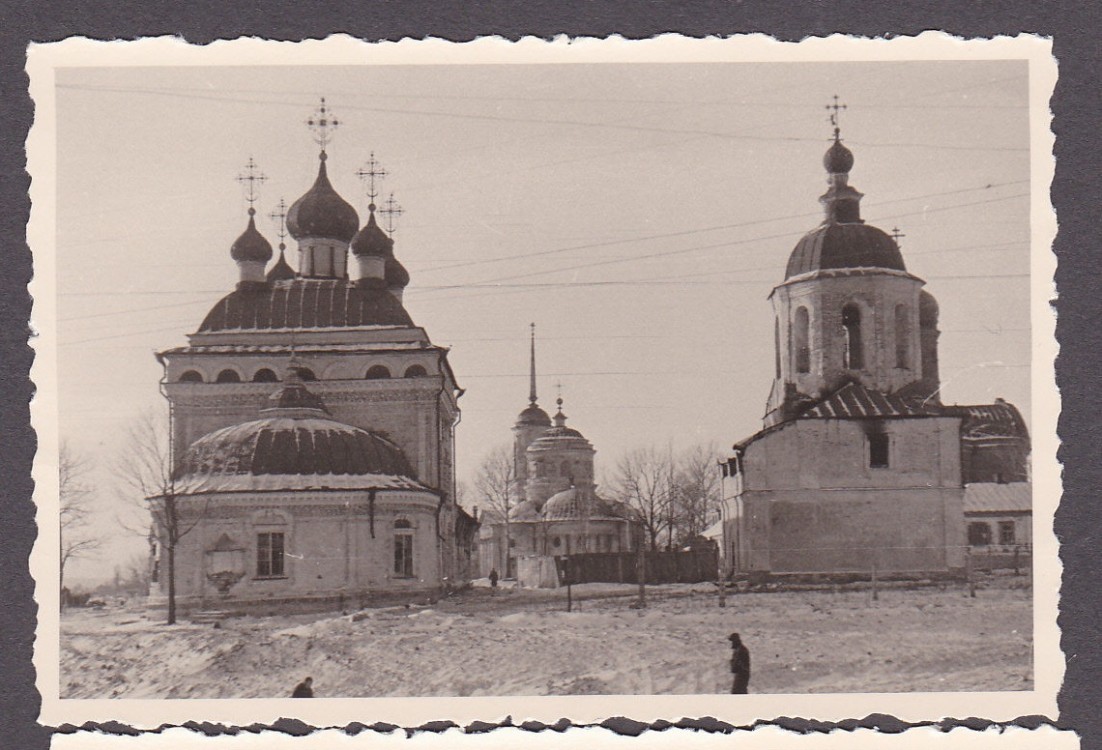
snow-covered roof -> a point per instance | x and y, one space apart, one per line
209 484
993 497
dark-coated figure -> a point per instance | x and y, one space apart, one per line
304 689
740 665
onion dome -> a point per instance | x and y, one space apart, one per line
282 270
372 240
395 274
251 245
927 309
843 240
836 246
838 159
295 445
321 212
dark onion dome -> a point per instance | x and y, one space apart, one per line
251 245
292 447
321 212
572 505
927 309
306 303
838 159
836 246
282 270
372 240
395 274
534 416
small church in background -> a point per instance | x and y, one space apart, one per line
312 422
554 510
860 468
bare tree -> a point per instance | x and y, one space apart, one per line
696 490
146 468
496 483
76 497
642 481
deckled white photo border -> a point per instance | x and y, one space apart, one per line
507 738
44 60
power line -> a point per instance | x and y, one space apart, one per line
730 243
567 123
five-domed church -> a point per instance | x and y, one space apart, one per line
312 422
860 467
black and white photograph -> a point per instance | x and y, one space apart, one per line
678 375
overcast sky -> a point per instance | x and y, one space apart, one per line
638 214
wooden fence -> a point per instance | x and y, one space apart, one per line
693 566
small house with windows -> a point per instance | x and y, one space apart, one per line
860 469
999 516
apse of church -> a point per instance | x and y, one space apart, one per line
859 466
337 322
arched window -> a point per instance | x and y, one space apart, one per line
853 355
800 340
306 374
902 338
264 375
228 376
416 371
565 469
377 372
403 549
191 376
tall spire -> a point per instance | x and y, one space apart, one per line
532 368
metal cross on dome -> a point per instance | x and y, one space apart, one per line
279 215
251 179
391 210
834 115
322 123
369 174
897 236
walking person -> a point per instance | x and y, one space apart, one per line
304 689
493 581
740 665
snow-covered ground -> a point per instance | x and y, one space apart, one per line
525 643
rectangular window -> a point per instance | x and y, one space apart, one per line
878 451
1006 532
269 555
403 555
